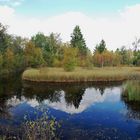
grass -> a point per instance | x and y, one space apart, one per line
132 91
81 74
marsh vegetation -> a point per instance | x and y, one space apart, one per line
106 74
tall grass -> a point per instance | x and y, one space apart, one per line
132 91
81 74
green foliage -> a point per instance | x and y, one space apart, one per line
85 61
49 45
69 61
19 62
9 59
126 55
56 63
132 91
4 38
101 47
40 40
136 59
77 41
18 44
33 55
1 61
17 53
69 66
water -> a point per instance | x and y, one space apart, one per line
85 111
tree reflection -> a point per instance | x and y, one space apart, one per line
4 113
8 88
41 93
73 95
131 97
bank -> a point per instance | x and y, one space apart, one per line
58 75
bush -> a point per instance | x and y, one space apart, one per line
42 128
69 66
70 61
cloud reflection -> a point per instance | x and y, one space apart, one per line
90 97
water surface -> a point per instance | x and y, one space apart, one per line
85 111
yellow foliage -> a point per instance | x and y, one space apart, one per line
107 58
33 55
9 58
70 58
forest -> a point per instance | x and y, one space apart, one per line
18 53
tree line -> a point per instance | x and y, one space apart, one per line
17 53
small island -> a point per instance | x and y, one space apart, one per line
57 75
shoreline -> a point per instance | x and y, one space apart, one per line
81 75
74 81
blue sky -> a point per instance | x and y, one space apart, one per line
115 21
41 8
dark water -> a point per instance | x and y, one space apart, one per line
85 111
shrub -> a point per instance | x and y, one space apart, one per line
70 61
42 128
69 66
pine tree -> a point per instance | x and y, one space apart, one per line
100 48
77 41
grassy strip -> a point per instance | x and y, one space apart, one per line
81 74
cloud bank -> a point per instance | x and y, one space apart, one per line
120 29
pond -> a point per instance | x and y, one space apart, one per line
84 111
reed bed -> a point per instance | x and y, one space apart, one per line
105 74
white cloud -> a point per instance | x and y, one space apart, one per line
117 31
12 3
110 95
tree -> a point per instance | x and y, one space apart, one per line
100 48
4 38
116 59
136 59
54 47
40 40
33 55
49 45
18 44
70 58
126 55
106 58
98 59
136 44
1 61
9 59
77 41
85 61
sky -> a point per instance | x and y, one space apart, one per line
115 21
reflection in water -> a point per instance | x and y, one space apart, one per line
69 99
7 90
131 97
73 96
69 102
98 110
4 109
